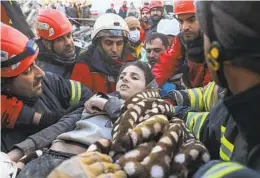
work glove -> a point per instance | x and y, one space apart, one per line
88 165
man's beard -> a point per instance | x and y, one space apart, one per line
145 19
152 61
190 36
156 18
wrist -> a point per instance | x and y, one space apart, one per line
36 118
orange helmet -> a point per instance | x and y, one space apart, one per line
17 51
51 24
183 7
155 3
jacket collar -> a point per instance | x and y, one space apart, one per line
245 109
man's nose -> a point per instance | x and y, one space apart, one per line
67 40
38 71
185 25
114 47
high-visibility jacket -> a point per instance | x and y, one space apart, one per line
57 97
201 99
220 169
95 72
137 51
188 59
230 130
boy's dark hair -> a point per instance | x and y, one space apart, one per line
145 67
161 36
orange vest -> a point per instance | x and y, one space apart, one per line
93 80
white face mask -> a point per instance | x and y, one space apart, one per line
134 35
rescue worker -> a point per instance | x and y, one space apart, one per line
123 10
30 99
98 67
156 14
231 44
155 45
57 51
144 21
134 42
186 54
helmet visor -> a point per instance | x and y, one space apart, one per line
113 33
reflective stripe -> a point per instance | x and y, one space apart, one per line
79 92
195 121
226 148
198 124
190 120
223 153
208 96
223 130
196 98
75 92
222 169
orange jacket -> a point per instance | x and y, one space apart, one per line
171 61
97 74
97 82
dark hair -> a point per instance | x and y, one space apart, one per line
161 36
5 82
145 67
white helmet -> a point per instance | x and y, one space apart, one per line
168 27
109 25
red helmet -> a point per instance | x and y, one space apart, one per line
145 8
155 3
17 51
183 7
51 24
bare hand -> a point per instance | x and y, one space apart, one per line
95 104
15 154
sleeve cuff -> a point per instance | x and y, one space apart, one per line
27 146
26 116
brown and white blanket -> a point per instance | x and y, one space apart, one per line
149 142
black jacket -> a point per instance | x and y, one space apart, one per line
58 96
231 131
51 62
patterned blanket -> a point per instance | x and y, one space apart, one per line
149 142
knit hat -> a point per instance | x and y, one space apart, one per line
132 22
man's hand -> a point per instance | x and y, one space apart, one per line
15 155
